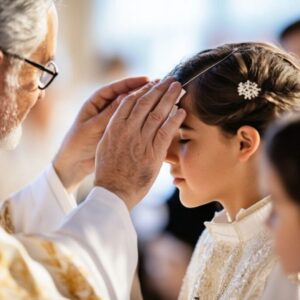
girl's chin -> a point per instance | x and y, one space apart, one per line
192 201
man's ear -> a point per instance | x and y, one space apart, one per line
249 141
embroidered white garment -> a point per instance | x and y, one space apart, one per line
231 260
90 254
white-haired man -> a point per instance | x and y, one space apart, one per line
126 127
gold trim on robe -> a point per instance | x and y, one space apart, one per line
5 217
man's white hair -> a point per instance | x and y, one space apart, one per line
23 26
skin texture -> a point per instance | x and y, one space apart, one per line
284 222
208 164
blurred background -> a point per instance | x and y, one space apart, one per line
104 40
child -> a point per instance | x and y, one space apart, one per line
283 155
233 93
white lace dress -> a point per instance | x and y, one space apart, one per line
231 260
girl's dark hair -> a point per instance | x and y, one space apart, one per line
215 97
283 151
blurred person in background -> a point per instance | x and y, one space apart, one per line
282 173
289 38
92 253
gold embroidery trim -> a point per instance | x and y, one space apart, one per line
69 279
5 218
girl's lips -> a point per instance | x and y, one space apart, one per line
178 180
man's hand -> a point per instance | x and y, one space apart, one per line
76 156
136 140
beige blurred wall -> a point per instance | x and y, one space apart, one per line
74 36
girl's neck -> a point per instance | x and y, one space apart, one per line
238 200
244 190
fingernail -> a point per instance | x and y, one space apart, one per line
174 86
182 93
181 111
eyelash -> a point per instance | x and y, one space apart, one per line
183 141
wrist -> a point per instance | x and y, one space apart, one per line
118 191
63 172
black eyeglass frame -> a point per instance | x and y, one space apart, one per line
37 65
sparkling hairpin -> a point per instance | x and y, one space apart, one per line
248 89
183 90
210 67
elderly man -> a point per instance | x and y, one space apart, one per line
125 127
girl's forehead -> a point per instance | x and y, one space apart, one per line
186 102
192 120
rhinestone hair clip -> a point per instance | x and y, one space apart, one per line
248 89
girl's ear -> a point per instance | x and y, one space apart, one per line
249 141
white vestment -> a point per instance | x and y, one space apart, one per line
45 254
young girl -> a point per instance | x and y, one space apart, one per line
283 173
233 93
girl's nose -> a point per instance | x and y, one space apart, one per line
172 156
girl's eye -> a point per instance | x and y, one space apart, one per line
183 141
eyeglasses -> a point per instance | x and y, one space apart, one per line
49 71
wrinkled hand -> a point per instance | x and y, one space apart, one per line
76 156
136 140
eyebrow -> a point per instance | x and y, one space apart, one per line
186 127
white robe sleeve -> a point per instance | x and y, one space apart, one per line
94 253
39 207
